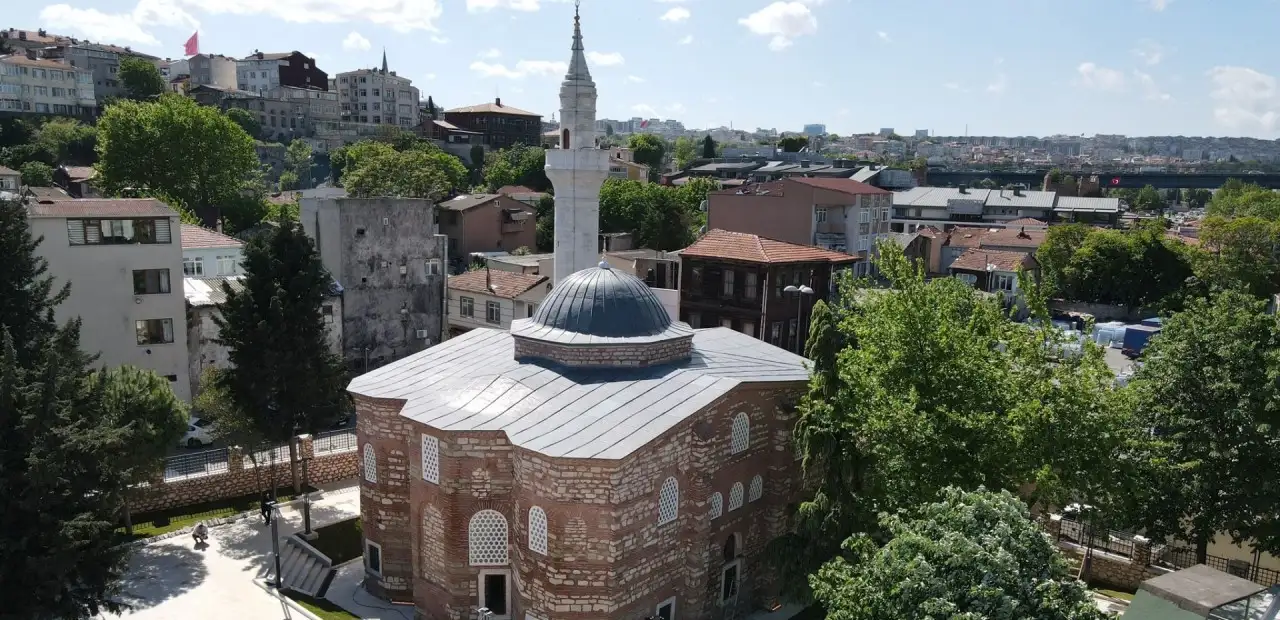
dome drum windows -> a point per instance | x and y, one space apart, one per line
735 497
740 436
668 501
430 459
487 539
716 505
369 463
757 489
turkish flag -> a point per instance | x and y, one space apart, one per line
192 46
644 124
1115 180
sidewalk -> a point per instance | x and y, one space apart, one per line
171 579
345 592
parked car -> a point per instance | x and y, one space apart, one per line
199 433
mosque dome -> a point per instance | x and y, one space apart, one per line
602 317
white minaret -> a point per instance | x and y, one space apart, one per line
577 169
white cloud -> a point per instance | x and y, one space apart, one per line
475 6
439 40
1150 89
635 79
1101 78
1157 5
685 40
490 53
1244 98
817 84
884 36
522 69
644 109
603 59
998 85
128 27
355 42
782 22
405 16
677 14
676 108
1149 51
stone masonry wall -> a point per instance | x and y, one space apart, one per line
384 504
638 355
241 478
1108 569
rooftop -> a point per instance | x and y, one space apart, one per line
726 245
977 259
495 283
198 238
523 260
937 196
8 171
603 413
16 59
495 107
967 236
467 201
1083 204
846 186
1015 237
101 208
80 173
1200 589
208 291
600 306
1028 222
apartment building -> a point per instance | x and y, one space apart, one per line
212 70
45 87
103 61
492 298
210 254
33 42
837 214
378 96
260 72
123 259
486 223
500 125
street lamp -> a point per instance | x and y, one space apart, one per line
307 534
275 541
800 292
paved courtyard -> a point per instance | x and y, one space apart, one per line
172 579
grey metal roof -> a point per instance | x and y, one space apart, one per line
1084 204
462 203
522 260
866 173
1027 199
201 292
473 382
599 301
937 196
1200 589
777 166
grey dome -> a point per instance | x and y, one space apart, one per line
603 302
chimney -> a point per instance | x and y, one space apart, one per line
1022 233
488 277
964 189
1017 190
497 101
804 163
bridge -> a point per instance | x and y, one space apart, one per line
1136 180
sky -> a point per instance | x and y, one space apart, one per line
995 67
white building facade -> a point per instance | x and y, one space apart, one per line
123 259
258 75
44 87
210 254
378 97
577 168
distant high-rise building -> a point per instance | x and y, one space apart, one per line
886 131
814 130
378 96
922 134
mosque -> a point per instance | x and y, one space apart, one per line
598 461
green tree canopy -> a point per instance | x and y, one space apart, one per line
37 174
1148 199
70 141
650 150
376 169
297 158
546 223
1207 390
1238 199
708 147
969 555
1055 254
247 121
140 144
141 404
1135 268
684 152
662 217
517 165
140 78
793 144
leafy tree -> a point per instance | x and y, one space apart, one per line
298 161
71 142
477 161
1207 391
649 150
988 184
1237 199
793 144
1148 199
708 147
282 375
517 165
37 174
1055 176
288 181
139 144
246 120
59 461
1055 254
546 223
1196 198
608 129
391 173
684 152
1243 253
920 399
141 79
1130 268
969 555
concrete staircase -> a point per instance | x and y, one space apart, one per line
304 569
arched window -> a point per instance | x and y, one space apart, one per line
564 138
370 464
717 504
430 459
740 437
757 489
668 501
538 530
735 497
731 548
487 539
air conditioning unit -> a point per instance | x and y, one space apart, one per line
422 334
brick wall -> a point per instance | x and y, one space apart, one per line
1108 569
384 505
650 354
242 478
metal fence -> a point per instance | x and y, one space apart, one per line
1180 558
278 454
1110 541
343 440
196 465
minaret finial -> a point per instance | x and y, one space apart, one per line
384 60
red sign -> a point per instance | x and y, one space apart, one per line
1115 180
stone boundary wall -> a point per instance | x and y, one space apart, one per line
1101 312
242 478
1112 570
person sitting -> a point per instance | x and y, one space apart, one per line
200 534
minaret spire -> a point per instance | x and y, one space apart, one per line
384 60
578 70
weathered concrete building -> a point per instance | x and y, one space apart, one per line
389 260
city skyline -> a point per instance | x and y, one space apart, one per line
997 67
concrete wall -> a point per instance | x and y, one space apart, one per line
378 250
785 218
101 278
209 258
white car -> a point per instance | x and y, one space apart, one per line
199 433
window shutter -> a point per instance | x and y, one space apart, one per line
163 234
75 232
92 231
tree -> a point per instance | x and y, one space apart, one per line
140 78
37 174
517 165
649 150
922 399
1243 253
684 152
59 470
1196 198
282 375
1055 254
608 129
1130 268
968 555
1238 199
141 143
793 144
246 120
1148 199
288 181
546 223
1207 391
298 160
988 184
391 173
71 142
708 147
662 217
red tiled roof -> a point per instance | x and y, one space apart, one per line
967 236
846 186
197 237
492 108
1025 221
749 248
1015 238
16 59
507 190
505 284
930 232
975 259
101 207
80 173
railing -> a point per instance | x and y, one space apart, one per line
1180 558
278 454
1110 541
196 465
342 440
